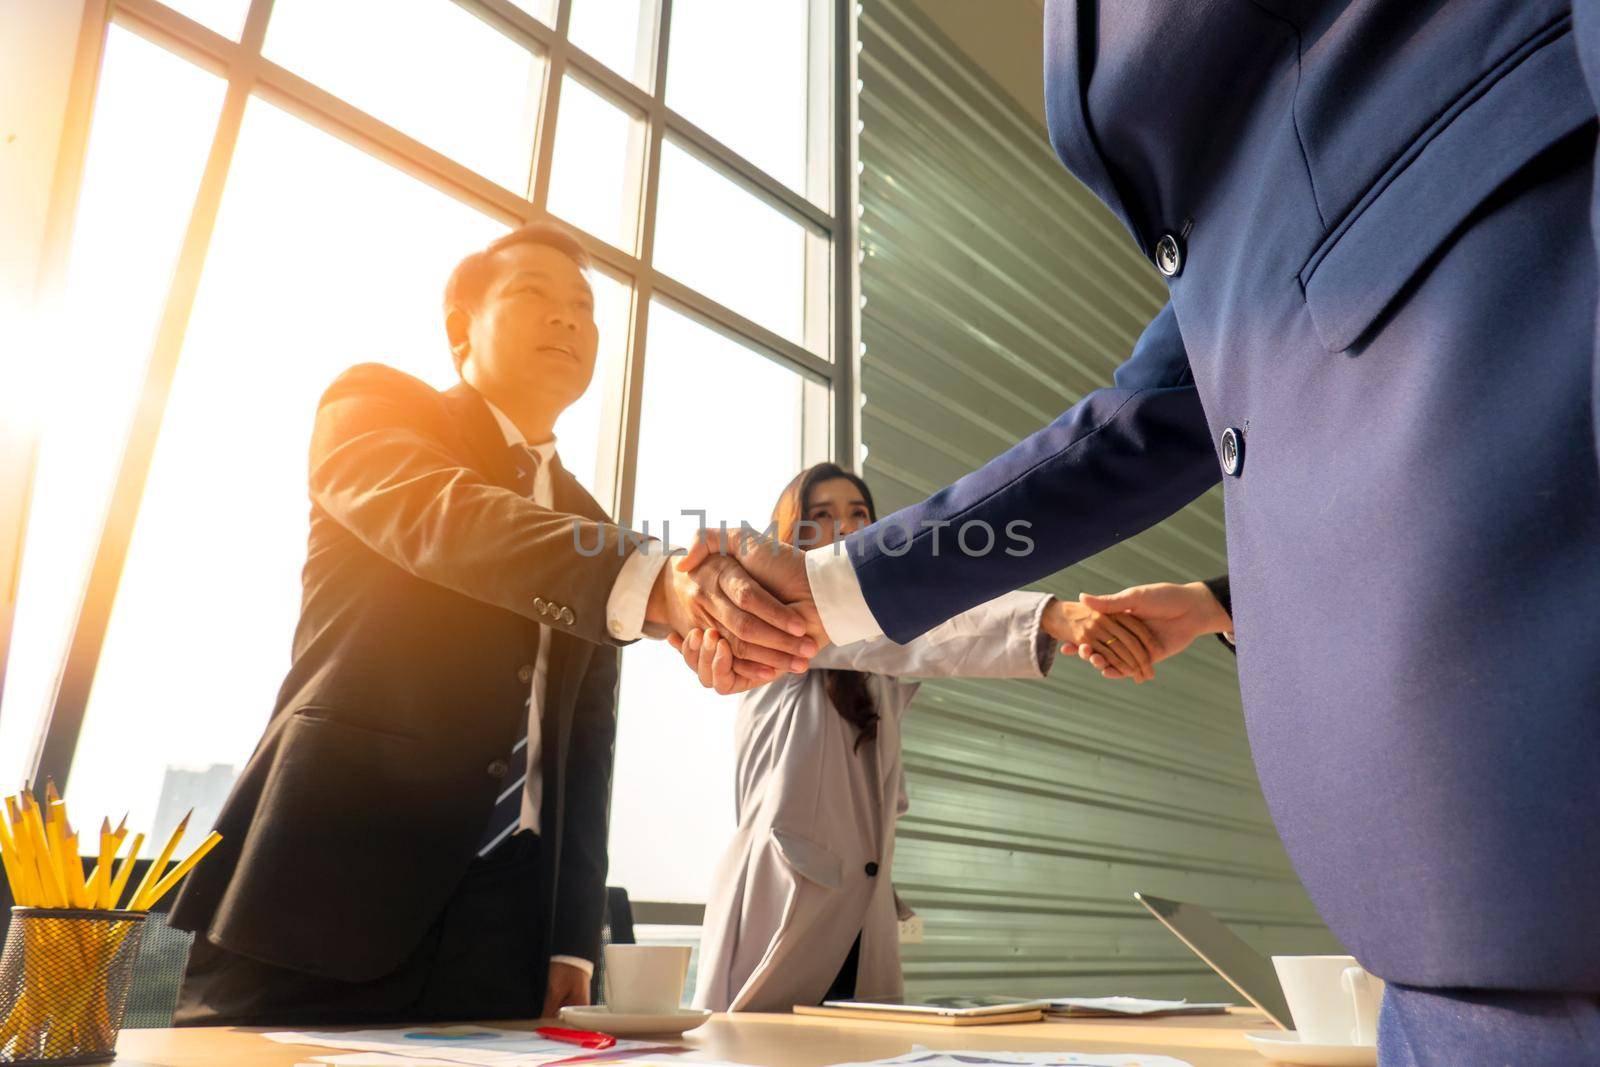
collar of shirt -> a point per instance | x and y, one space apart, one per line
514 436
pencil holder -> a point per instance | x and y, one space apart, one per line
64 978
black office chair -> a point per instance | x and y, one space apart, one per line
617 930
157 973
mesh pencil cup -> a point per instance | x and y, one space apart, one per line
64 979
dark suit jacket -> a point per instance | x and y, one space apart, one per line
365 800
1384 282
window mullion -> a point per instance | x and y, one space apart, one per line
65 723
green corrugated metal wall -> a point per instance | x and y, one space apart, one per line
998 291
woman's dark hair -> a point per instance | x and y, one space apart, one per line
847 690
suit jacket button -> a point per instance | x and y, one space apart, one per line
1169 255
540 605
1231 449
568 617
525 673
498 769
872 870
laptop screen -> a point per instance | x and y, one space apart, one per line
1223 951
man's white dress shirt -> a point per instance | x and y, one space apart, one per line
838 596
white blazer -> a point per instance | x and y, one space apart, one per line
809 866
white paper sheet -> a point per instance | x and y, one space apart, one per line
479 1046
390 1059
922 1057
379 1059
1131 1006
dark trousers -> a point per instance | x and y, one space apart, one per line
1484 1028
844 983
484 957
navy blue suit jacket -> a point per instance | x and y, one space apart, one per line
1376 218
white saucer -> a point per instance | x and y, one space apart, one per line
601 1018
1285 1046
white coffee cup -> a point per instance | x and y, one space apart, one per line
645 979
1334 1001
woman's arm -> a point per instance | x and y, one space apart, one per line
1012 636
1003 638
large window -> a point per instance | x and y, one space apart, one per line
273 191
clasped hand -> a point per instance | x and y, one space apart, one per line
751 596
1125 634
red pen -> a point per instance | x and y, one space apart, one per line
581 1038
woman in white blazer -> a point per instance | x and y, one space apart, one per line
802 908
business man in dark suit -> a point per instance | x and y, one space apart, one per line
1374 220
421 832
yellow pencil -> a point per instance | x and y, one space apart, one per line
164 886
158 866
120 882
55 841
59 833
72 872
25 864
54 814
8 856
100 880
52 892
14 813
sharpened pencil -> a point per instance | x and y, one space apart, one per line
120 882
158 866
162 887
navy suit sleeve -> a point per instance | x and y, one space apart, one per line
1586 33
1118 461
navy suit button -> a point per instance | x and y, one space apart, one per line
498 769
872 870
1231 448
1169 255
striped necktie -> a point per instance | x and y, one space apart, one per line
507 812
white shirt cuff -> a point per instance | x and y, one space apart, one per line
631 593
838 596
586 966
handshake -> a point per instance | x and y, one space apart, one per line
744 601
739 607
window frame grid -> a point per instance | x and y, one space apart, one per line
829 414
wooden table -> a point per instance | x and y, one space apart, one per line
789 1041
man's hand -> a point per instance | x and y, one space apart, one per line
711 659
713 590
568 985
765 636
734 662
1122 642
1174 614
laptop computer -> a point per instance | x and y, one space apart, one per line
1223 951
